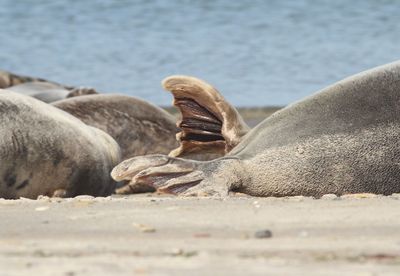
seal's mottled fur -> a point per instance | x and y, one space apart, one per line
46 151
139 127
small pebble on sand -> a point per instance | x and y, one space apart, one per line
299 198
395 196
25 199
43 198
84 198
101 198
360 195
329 196
182 253
41 208
263 234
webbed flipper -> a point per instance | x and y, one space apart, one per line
210 126
159 172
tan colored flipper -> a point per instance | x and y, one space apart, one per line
169 175
210 126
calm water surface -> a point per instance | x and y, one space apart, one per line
256 52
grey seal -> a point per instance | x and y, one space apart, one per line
41 89
343 139
46 151
139 127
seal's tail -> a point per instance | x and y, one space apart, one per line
210 126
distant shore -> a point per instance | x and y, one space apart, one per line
252 115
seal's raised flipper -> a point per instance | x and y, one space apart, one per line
166 174
210 126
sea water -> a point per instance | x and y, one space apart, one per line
255 52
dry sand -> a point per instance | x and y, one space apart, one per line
154 235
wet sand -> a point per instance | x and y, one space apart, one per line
159 235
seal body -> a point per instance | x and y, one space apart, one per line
139 127
44 91
41 89
44 150
343 139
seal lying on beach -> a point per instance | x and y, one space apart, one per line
344 139
138 127
46 151
41 89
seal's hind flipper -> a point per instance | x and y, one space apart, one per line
162 173
210 126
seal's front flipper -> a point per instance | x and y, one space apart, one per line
210 126
160 172
164 174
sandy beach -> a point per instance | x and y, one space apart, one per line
261 56
162 235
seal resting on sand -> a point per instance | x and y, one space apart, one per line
41 89
138 127
46 151
344 139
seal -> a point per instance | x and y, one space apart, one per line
41 89
343 139
46 151
138 127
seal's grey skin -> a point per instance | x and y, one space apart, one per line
139 127
46 151
344 139
46 91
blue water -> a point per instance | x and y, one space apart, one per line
255 52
